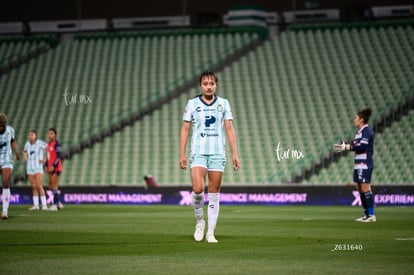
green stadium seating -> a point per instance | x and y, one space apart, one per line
13 48
392 158
300 90
120 75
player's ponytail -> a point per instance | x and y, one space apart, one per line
365 114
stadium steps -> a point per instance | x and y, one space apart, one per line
390 46
291 87
285 90
18 50
122 90
361 44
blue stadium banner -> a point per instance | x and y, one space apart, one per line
385 195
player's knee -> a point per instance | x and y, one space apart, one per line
365 188
214 188
198 189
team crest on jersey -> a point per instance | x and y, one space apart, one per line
220 108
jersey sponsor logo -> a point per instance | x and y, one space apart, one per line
361 156
209 120
360 166
208 135
32 152
4 144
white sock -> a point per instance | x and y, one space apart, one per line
213 211
36 201
198 204
43 201
6 199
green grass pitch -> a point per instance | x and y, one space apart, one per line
126 239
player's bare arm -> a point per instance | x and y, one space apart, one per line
25 157
231 135
185 130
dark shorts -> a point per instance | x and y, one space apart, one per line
56 173
362 175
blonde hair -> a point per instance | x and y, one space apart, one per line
3 118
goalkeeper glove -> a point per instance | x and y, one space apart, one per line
341 146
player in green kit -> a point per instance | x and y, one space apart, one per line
211 119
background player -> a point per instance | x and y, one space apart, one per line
363 145
53 167
209 115
34 156
7 145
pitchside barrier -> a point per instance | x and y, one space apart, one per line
385 195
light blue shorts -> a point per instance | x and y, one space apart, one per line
6 164
33 171
210 162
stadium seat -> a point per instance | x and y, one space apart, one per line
300 89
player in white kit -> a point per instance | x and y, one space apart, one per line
7 145
34 155
211 120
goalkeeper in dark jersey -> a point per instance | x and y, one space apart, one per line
363 146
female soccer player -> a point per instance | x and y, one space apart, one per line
363 145
53 167
7 145
35 157
210 115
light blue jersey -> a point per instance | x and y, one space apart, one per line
6 157
35 153
208 137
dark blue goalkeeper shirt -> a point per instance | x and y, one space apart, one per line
363 145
